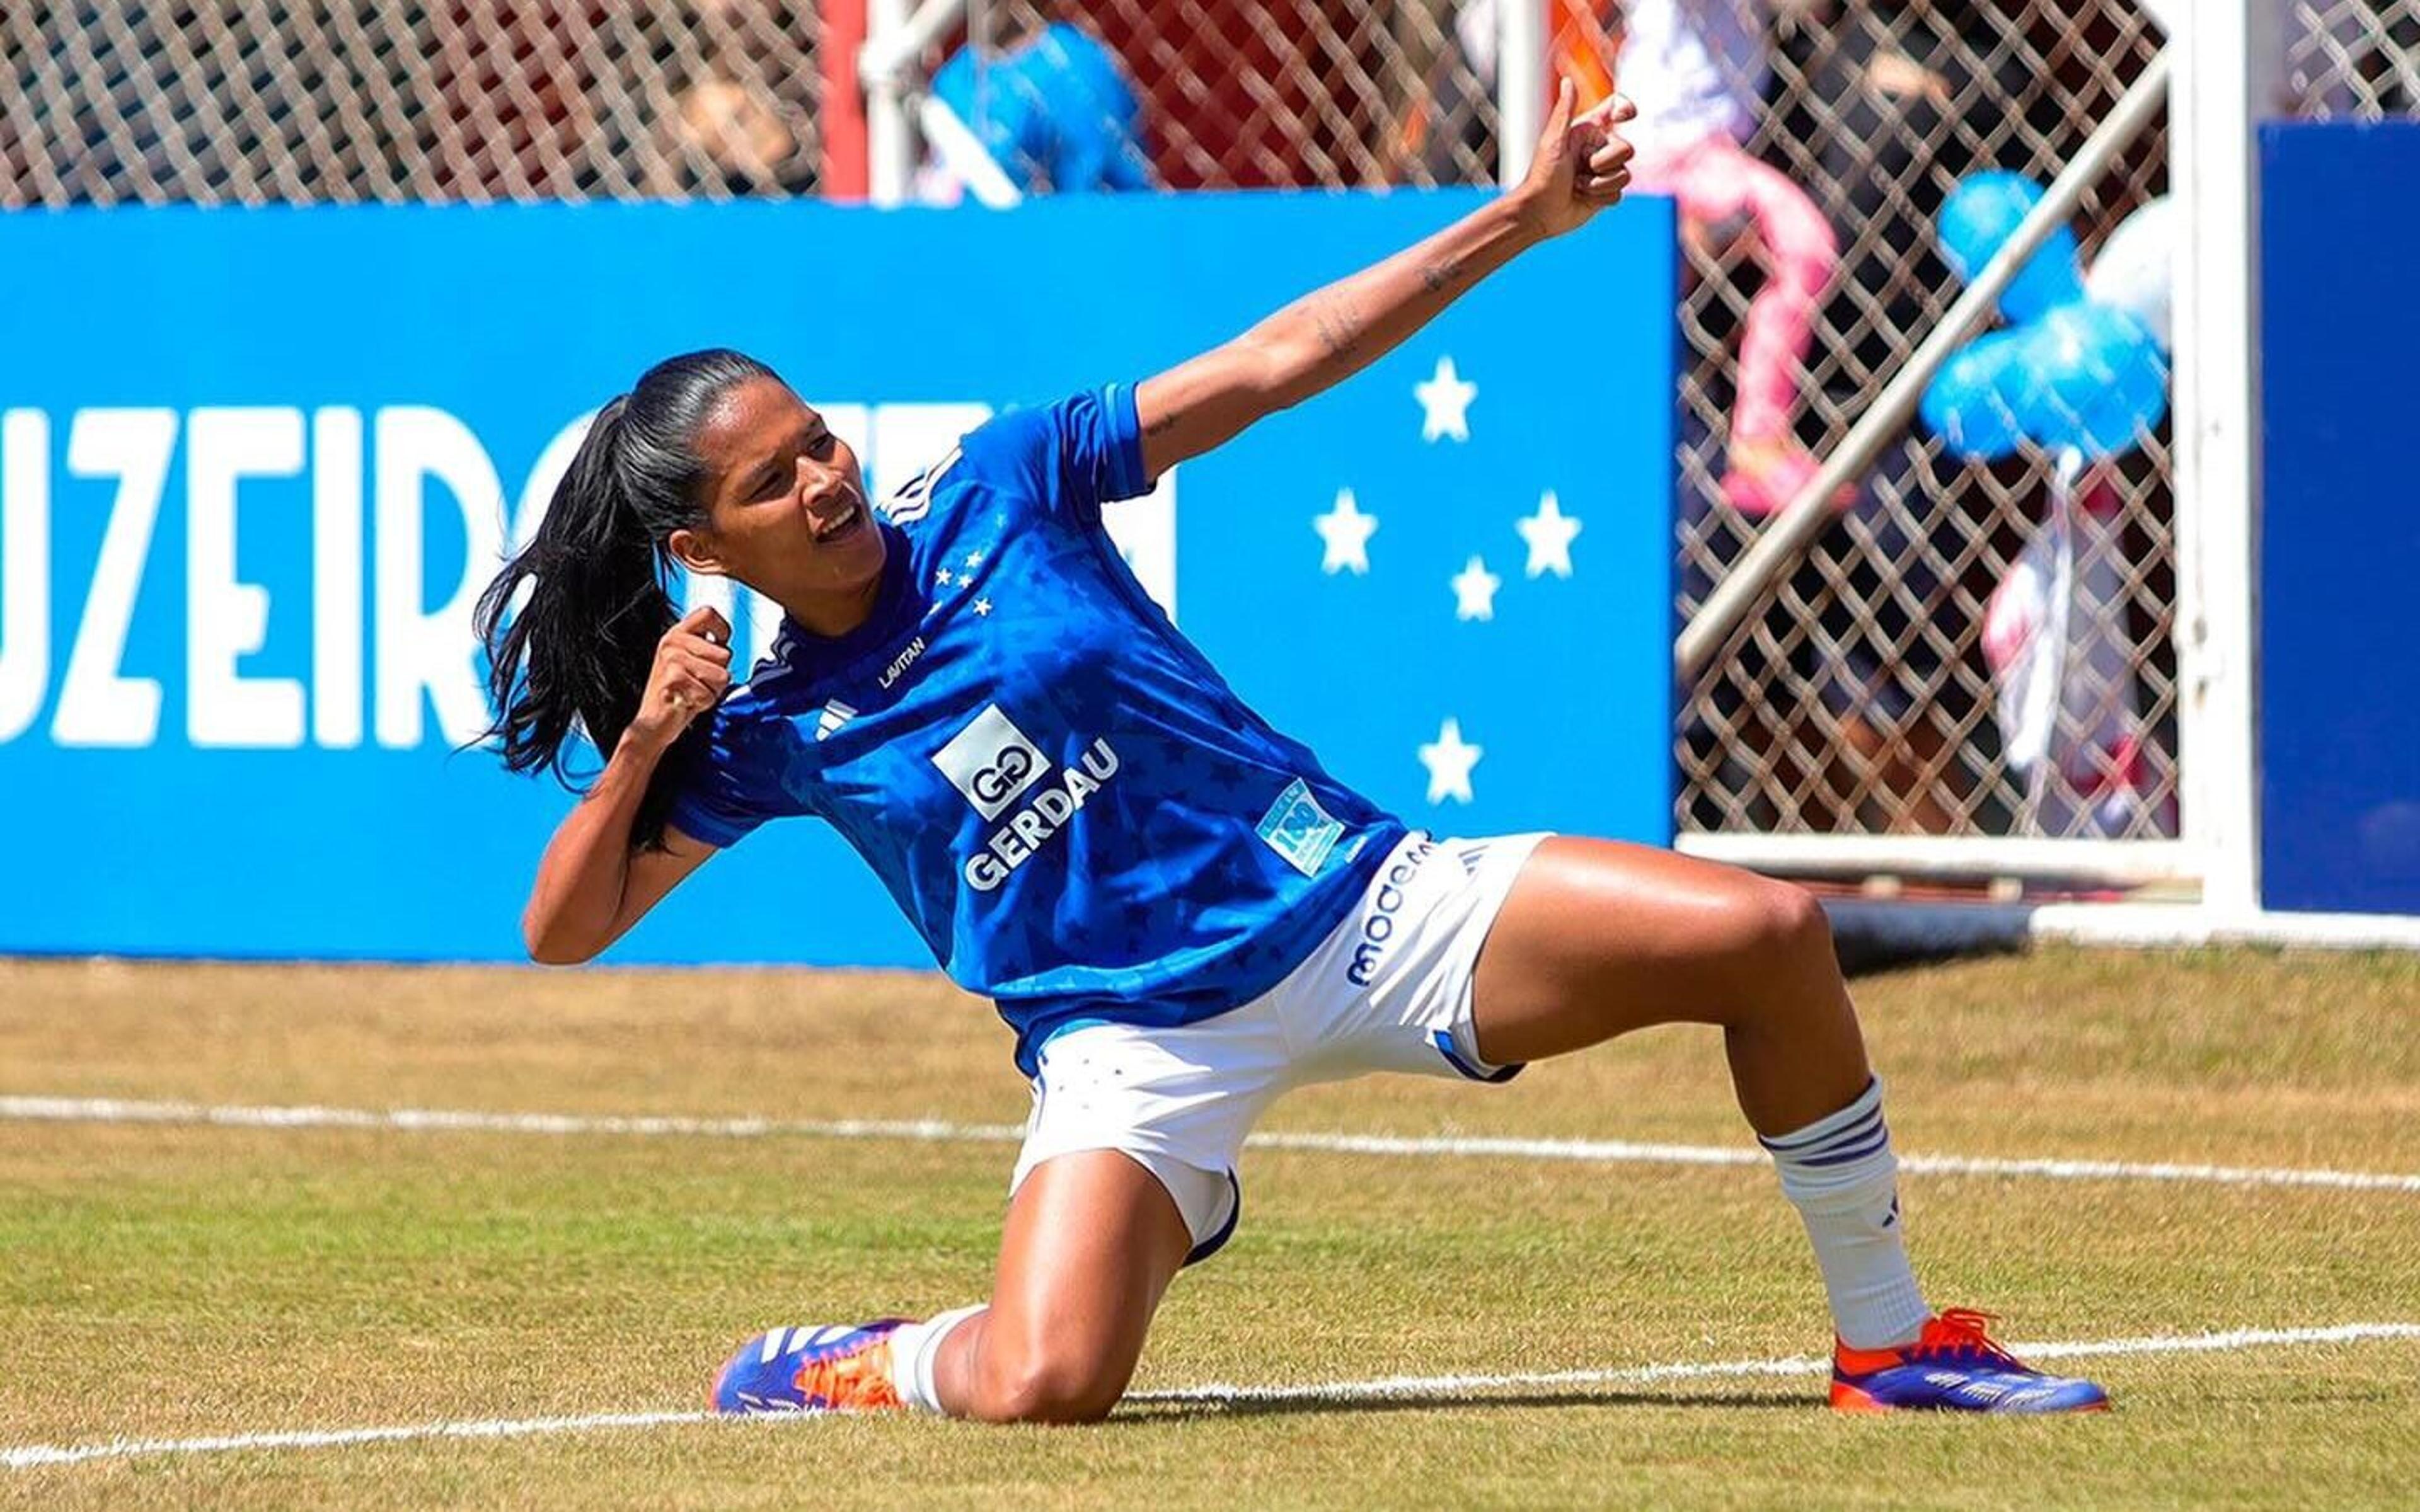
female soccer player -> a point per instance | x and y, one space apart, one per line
1179 912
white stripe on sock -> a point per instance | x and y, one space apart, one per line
1851 1213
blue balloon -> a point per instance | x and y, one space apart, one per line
1976 221
2094 379
1971 403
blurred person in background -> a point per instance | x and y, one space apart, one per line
1869 98
1875 111
730 136
738 119
1055 112
1700 71
1897 101
1696 71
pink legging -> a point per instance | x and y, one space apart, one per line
1714 181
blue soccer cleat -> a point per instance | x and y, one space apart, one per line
829 1370
1953 1367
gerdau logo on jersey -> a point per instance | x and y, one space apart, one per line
991 762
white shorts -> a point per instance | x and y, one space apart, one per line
1387 990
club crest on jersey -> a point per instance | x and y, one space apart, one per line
990 761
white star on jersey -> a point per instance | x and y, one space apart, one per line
1445 403
1550 533
982 606
943 579
1348 532
1474 592
1450 761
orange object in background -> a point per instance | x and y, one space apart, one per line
1231 100
1582 48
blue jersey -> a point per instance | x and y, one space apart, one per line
1073 808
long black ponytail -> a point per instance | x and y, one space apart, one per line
574 657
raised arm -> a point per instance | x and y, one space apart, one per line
1317 341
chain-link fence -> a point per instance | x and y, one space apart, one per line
252 101
1858 699
1262 93
2353 58
1861 699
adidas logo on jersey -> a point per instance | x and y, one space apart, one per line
914 501
835 714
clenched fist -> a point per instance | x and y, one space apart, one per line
692 671
1581 166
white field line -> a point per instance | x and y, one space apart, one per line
33 1455
445 1120
1603 1151
1399 1386
29 1457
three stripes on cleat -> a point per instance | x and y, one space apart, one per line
799 1339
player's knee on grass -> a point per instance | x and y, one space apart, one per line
1051 1387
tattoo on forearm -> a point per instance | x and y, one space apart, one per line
1437 277
1339 333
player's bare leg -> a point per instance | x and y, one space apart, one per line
1599 938
1093 1241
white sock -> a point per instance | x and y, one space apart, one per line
914 1348
1840 1174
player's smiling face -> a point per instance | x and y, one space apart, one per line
786 511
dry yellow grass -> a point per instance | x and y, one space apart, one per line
173 1280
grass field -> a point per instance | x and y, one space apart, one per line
176 1280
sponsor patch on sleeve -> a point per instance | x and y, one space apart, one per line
1297 828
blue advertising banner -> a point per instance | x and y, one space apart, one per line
257 465
2339 540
